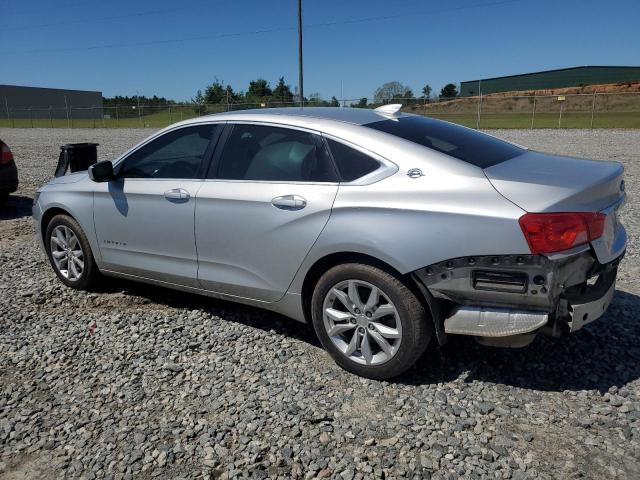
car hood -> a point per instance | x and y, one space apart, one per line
69 178
540 182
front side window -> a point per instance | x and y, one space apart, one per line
462 143
259 152
176 154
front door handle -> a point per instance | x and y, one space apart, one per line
289 202
177 194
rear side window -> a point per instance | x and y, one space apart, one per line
259 152
464 144
351 163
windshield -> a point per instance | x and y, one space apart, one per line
462 143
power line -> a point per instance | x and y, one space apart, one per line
260 31
107 18
152 42
56 6
416 12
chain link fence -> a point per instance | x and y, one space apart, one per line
592 110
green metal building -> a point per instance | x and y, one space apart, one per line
564 77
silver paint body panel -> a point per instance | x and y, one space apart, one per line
228 241
248 248
140 232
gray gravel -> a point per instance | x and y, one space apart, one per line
140 382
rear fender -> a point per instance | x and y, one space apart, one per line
418 235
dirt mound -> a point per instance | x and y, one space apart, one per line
601 88
611 97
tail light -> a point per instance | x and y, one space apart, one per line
6 156
554 232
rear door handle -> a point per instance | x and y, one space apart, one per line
177 194
289 202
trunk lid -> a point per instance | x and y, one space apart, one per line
540 182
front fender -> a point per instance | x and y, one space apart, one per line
78 203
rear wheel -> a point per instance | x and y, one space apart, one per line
69 253
369 321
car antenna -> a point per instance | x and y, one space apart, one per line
391 109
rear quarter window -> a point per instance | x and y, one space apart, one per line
352 164
462 143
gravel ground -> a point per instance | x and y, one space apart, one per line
139 382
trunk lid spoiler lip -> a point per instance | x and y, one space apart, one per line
539 182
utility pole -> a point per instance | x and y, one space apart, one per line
300 79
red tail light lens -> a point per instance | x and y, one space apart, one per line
5 154
554 232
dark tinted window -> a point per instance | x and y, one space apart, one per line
469 145
176 154
351 163
257 152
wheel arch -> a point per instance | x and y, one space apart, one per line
48 215
329 261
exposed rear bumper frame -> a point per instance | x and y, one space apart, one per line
559 294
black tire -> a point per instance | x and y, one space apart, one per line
90 273
4 196
416 325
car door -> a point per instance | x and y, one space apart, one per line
144 219
268 196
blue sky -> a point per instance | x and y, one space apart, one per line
359 44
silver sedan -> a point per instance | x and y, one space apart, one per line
387 231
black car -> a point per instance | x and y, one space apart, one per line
8 172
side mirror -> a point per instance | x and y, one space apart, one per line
101 171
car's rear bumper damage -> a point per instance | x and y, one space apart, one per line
504 300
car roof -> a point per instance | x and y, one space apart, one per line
354 116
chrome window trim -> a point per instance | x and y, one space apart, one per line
232 123
137 147
273 124
275 182
386 169
181 179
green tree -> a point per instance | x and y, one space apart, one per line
426 92
135 100
391 90
198 102
230 94
259 88
215 93
334 102
199 98
316 100
449 91
362 103
282 91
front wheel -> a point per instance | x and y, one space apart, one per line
69 253
369 321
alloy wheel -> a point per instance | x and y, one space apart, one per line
362 322
67 253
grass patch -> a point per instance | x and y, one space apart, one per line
165 117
